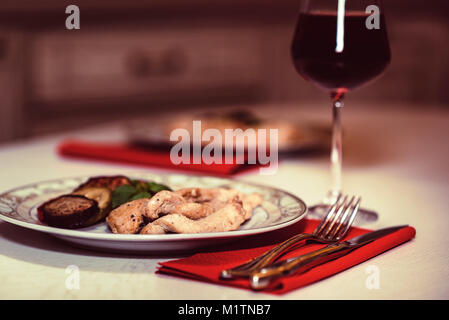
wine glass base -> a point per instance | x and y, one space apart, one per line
363 216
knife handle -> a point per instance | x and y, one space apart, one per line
248 268
268 276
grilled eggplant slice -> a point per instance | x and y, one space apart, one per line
69 211
103 198
109 182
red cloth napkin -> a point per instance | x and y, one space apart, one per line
206 266
123 153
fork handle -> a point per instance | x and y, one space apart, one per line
246 269
267 277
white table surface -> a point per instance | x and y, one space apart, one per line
396 159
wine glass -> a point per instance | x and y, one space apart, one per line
340 45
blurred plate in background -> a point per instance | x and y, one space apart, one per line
292 136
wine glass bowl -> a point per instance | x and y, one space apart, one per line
364 55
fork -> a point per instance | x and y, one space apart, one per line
332 228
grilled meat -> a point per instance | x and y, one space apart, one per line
110 183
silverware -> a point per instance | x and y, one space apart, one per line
269 276
331 229
318 211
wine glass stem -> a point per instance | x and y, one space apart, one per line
336 147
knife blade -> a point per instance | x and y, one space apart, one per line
268 276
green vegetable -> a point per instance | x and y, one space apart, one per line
141 195
156 187
136 190
122 195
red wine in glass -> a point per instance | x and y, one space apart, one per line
365 55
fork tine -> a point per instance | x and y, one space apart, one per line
350 219
342 219
327 218
341 209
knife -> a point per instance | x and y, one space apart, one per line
268 276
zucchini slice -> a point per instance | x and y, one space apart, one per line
109 182
103 198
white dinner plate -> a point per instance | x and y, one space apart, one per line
278 210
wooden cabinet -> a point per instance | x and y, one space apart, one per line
69 66
12 113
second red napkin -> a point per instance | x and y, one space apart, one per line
128 154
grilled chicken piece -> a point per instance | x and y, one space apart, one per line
194 210
163 202
228 218
192 203
69 211
217 198
129 217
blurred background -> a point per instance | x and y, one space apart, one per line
151 57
